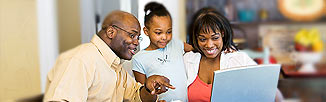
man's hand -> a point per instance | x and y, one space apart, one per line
158 84
154 85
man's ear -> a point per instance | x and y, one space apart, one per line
110 32
145 31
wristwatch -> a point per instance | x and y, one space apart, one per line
144 86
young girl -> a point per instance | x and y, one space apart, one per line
211 37
164 55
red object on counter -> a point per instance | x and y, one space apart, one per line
302 48
272 60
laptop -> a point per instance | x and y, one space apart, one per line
246 84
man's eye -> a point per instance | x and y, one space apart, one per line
132 35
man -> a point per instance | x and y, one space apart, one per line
92 72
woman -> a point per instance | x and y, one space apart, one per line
211 37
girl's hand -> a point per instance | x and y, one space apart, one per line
158 84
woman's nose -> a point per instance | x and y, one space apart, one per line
209 44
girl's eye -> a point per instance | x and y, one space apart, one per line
169 32
158 33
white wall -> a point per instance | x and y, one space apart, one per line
88 11
47 37
125 5
87 17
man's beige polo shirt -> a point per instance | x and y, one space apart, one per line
90 72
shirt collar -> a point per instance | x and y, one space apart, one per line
110 57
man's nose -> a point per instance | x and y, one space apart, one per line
135 42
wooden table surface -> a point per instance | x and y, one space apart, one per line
292 71
307 87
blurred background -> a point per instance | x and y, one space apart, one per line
289 32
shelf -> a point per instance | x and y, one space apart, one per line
276 22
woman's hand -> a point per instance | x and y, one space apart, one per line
230 50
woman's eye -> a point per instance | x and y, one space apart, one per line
202 40
215 38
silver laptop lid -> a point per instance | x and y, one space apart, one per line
246 84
